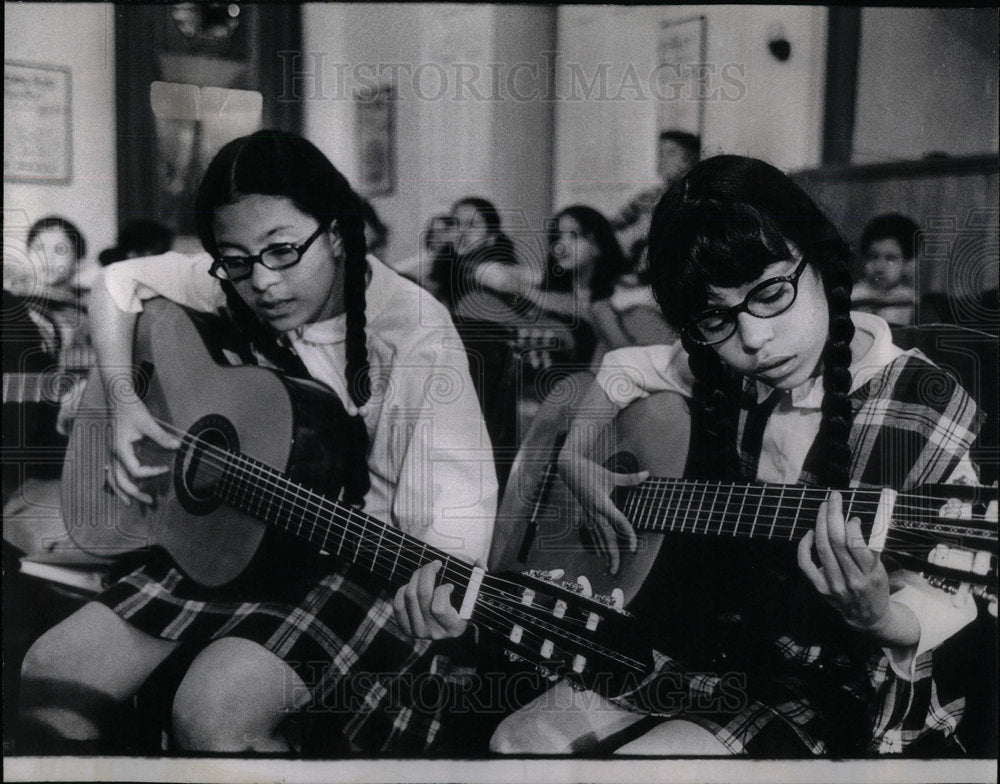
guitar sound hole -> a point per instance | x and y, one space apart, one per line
212 441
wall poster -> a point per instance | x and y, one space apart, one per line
38 121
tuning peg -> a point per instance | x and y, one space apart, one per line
615 601
550 575
585 587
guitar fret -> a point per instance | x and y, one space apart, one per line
774 516
725 512
678 493
703 492
661 505
631 501
378 550
756 516
689 490
739 513
711 511
792 529
641 513
360 541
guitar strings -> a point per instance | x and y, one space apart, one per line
689 492
228 459
914 550
489 611
231 460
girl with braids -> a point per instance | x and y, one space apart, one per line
286 260
754 653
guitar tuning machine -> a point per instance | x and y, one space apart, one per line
548 575
615 600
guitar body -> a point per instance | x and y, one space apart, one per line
180 370
540 525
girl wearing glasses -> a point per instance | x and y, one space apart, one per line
838 653
286 260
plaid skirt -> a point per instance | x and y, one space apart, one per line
331 623
802 703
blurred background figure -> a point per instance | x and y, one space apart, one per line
478 253
376 232
436 240
51 268
677 152
55 283
888 253
136 239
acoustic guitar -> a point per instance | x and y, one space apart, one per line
947 532
258 451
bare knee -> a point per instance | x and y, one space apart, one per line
234 698
523 733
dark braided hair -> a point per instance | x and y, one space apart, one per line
722 225
275 163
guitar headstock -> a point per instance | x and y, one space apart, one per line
949 532
564 630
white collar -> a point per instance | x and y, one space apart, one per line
881 351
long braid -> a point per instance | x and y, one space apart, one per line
355 274
716 414
835 429
357 480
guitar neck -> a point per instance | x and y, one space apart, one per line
48 387
755 511
333 528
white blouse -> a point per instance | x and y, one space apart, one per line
430 458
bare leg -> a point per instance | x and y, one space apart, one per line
234 698
676 738
83 667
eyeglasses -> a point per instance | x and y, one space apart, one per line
769 298
275 257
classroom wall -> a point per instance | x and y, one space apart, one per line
606 148
79 36
456 132
935 93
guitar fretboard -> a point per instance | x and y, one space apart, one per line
333 528
763 511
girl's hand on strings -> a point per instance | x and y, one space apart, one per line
850 576
592 484
123 470
423 608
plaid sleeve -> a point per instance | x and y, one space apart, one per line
913 425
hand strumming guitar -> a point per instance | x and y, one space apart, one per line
592 484
113 332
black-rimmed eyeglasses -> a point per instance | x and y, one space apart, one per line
275 257
769 298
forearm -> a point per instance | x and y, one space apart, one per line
897 629
112 331
592 422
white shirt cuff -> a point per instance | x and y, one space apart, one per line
940 616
